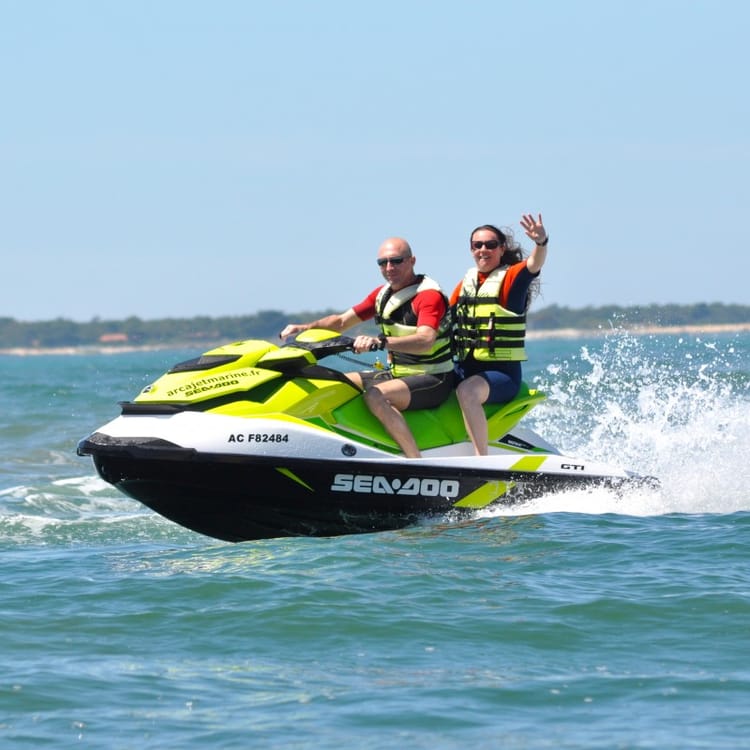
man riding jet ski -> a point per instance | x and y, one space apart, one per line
412 313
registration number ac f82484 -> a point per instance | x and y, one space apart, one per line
258 437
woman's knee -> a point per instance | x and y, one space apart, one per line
472 390
463 393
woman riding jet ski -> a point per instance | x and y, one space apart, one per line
253 440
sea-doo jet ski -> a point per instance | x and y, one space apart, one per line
253 440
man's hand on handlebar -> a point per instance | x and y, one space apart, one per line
366 344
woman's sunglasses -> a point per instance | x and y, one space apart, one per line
490 244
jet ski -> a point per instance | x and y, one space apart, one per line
254 440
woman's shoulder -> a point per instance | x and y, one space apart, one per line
519 272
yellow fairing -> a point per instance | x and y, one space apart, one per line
249 351
491 491
191 387
301 399
484 495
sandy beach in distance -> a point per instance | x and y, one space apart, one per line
553 333
574 333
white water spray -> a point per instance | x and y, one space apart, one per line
677 408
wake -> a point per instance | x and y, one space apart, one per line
672 407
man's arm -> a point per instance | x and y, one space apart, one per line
430 309
337 322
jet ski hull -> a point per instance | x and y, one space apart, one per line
240 497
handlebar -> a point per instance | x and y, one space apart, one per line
327 347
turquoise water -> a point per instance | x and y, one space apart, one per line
582 620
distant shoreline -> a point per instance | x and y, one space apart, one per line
637 330
552 333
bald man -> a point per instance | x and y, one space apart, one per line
412 312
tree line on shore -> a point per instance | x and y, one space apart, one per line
266 324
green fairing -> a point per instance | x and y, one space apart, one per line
253 378
433 427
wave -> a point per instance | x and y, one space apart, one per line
75 510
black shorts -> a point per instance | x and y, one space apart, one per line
427 391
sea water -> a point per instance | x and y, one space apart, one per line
580 620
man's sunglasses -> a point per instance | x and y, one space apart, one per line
383 262
490 244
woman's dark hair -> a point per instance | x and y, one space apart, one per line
513 253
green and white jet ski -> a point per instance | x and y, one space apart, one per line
253 440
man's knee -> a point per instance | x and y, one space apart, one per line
372 394
381 398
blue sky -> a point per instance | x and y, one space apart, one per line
173 158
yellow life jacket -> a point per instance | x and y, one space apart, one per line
394 315
482 326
